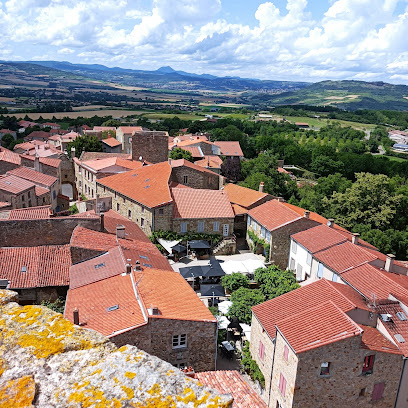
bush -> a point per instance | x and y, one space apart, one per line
251 367
235 281
57 306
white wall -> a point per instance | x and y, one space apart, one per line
300 260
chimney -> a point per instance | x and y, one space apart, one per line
330 222
120 231
37 163
72 152
281 199
261 187
355 238
128 268
102 222
306 214
137 266
76 316
389 262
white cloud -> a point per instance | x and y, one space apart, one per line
65 51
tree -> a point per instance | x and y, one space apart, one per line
274 282
179 153
235 281
7 140
85 143
112 123
242 301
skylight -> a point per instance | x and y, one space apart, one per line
112 308
144 257
401 316
23 269
147 265
399 338
100 265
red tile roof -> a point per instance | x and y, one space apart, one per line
39 191
245 197
4 204
232 382
194 150
193 142
210 161
273 214
25 146
112 142
318 238
38 134
130 129
31 213
186 163
344 256
230 148
374 340
46 265
312 215
10 157
14 185
99 164
103 128
200 203
94 300
44 160
317 326
238 210
148 185
272 311
34 176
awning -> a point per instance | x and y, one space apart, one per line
195 244
247 266
167 245
246 328
223 322
212 290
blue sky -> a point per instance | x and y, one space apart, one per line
302 40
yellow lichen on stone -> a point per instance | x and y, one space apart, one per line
18 393
130 375
128 391
93 397
3 366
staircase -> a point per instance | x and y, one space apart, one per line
227 246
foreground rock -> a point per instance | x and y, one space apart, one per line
45 361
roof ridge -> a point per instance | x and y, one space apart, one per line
341 294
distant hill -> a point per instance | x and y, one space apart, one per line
350 95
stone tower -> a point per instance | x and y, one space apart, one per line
152 146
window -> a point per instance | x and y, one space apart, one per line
80 184
43 199
130 140
92 193
142 210
185 179
129 214
299 272
334 277
115 194
181 366
294 247
124 199
261 351
216 226
79 170
309 258
22 197
320 271
117 207
325 369
225 230
183 227
292 264
180 340
368 364
29 203
249 221
29 194
263 232
161 211
142 222
200 226
286 352
268 236
282 384
378 391
362 392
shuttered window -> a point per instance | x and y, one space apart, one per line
378 391
282 384
261 351
286 352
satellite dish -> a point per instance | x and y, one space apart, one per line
140 158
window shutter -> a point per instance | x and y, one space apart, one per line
282 384
286 352
378 391
261 350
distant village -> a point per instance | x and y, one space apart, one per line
139 246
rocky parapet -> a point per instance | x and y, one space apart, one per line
45 361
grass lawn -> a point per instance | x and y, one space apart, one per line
397 159
242 116
182 116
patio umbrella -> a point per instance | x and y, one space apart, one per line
191 272
213 271
212 290
179 248
195 244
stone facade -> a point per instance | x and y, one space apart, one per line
208 224
195 178
156 338
152 146
38 295
26 198
7 166
68 175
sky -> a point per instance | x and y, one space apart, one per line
294 40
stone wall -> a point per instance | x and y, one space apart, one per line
6 166
195 178
152 146
53 231
192 225
68 174
46 361
156 338
21 200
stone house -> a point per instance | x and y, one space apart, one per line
18 192
111 145
36 273
205 147
150 146
230 149
8 160
274 222
124 135
212 163
321 345
132 302
45 165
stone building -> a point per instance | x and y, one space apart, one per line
322 346
111 145
124 135
8 160
18 192
150 146
123 295
274 222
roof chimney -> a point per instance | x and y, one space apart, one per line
102 222
120 231
389 262
306 214
261 187
76 316
330 222
138 266
355 238
37 163
128 268
72 152
281 199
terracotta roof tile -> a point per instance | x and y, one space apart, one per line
112 142
130 129
47 161
10 157
245 197
273 214
374 340
194 150
232 382
238 210
38 134
326 323
4 204
274 310
230 148
46 265
85 156
31 213
14 185
200 203
100 164
148 185
193 142
186 163
34 176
